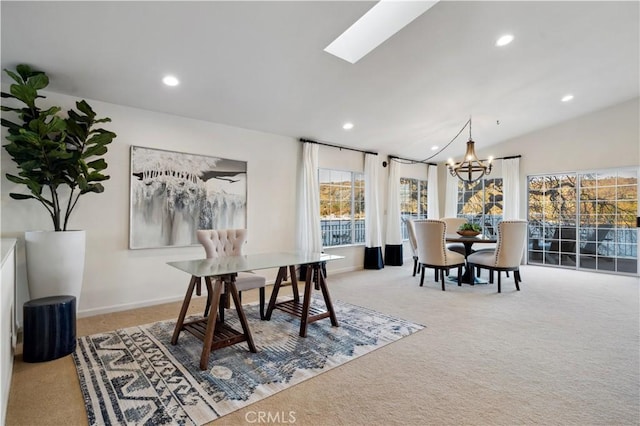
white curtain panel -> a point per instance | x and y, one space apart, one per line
451 197
309 232
511 189
433 205
394 233
373 236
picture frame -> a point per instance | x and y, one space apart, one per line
173 194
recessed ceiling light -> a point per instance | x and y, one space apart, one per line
566 98
433 148
347 126
504 40
170 80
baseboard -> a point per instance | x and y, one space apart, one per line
152 302
127 306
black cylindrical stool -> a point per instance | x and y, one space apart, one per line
49 328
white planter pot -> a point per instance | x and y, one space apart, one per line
55 263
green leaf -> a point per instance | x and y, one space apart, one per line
97 165
51 111
6 108
38 81
85 108
9 124
21 196
25 71
16 179
30 165
95 187
101 137
75 129
14 76
96 177
24 93
95 150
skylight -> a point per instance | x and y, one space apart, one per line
382 21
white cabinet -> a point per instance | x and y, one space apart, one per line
7 321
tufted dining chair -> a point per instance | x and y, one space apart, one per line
229 242
512 236
432 252
413 243
453 223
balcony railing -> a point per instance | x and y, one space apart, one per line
340 232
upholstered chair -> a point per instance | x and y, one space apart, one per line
413 243
229 242
512 236
432 252
453 223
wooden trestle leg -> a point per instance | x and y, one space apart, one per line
211 329
185 306
213 291
306 312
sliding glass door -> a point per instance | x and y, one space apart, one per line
584 220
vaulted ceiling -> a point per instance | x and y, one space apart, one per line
261 65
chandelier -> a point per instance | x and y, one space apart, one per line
470 169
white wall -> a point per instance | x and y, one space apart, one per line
603 139
119 278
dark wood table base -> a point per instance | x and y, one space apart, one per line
304 310
214 334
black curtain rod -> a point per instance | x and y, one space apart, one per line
337 146
509 157
391 157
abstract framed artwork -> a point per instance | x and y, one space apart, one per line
173 194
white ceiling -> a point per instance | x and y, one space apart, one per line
261 65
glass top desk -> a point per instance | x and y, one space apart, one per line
222 271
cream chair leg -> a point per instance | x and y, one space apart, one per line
422 275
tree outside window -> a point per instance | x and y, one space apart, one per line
584 220
341 207
413 201
480 202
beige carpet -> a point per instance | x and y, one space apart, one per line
562 351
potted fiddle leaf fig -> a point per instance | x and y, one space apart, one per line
59 158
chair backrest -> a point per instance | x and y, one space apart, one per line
512 236
412 236
222 242
431 244
453 223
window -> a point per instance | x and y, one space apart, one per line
552 219
480 202
413 201
341 207
584 220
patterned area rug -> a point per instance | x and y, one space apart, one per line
135 375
